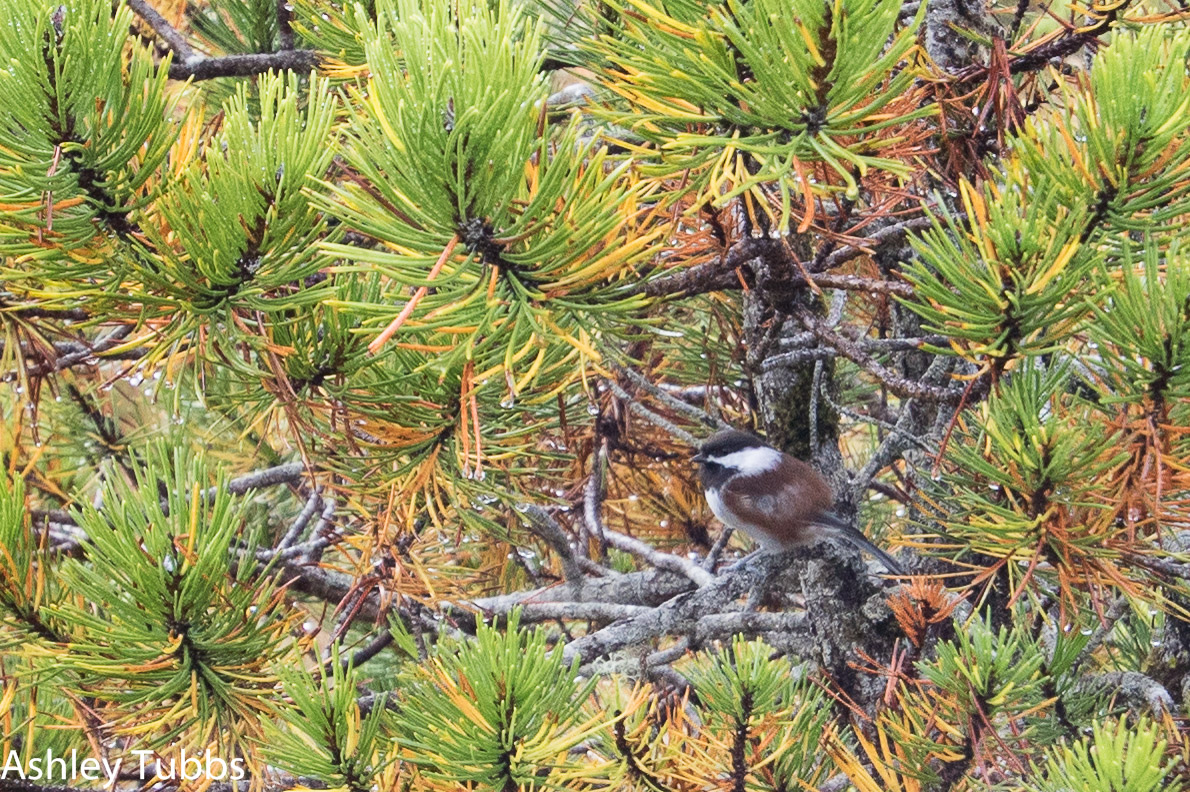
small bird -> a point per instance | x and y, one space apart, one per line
779 501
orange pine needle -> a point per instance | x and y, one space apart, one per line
465 387
475 421
395 324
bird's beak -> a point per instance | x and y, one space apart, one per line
699 458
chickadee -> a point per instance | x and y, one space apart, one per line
779 501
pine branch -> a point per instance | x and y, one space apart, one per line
652 417
886 235
285 24
83 352
1133 687
602 612
721 275
1068 43
374 647
675 616
593 495
901 386
208 68
298 526
44 312
173 39
269 477
702 416
546 528
658 558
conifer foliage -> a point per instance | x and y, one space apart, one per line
353 354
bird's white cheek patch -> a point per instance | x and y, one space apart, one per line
750 461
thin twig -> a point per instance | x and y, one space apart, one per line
878 345
1068 43
268 477
670 400
303 519
541 523
603 612
909 424
721 275
593 497
856 283
45 312
712 558
311 550
901 386
653 417
374 647
885 425
86 353
320 539
892 233
659 559
1120 606
77 348
173 39
285 24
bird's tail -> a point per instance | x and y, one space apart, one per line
852 535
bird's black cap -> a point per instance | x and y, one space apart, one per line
726 442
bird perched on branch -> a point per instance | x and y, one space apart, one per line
779 501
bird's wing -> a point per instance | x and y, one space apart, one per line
795 505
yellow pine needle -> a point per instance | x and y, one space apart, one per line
1073 149
458 698
431 348
10 691
528 376
562 335
662 21
811 44
1056 268
373 102
977 210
